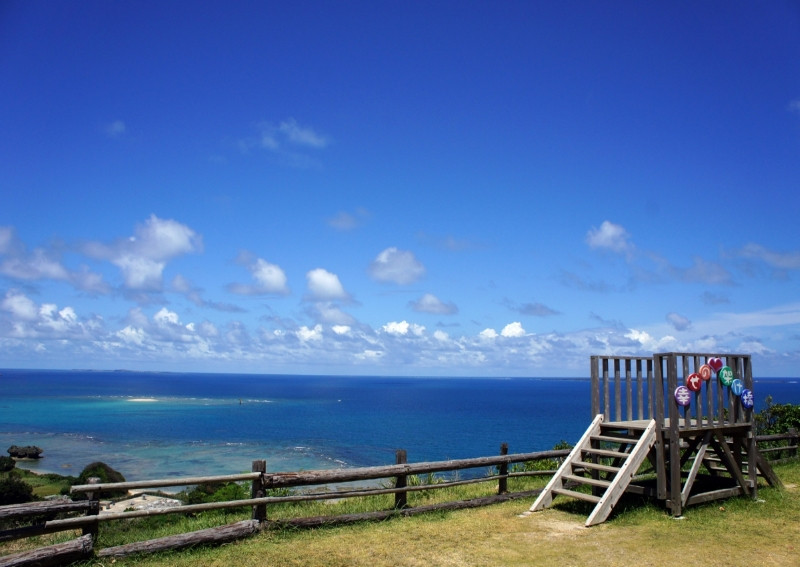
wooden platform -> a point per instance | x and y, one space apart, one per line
703 441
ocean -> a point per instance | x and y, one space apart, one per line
152 425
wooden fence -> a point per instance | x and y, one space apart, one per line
390 479
497 469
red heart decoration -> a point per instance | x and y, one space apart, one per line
715 363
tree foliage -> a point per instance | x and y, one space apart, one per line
14 490
777 418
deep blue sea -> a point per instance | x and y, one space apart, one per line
154 425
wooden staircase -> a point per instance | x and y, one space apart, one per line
626 453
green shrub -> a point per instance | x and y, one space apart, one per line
203 493
7 464
14 490
777 418
106 475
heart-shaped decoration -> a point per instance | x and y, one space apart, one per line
715 363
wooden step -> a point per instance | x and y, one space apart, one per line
579 495
587 480
611 439
595 466
606 453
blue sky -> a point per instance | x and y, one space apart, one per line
410 188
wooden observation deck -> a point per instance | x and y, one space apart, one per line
684 419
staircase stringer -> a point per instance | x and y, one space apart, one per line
623 478
557 481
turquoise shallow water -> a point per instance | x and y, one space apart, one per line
155 425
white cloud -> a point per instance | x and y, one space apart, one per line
679 322
131 335
6 239
142 257
396 266
781 260
348 221
488 334
325 286
277 138
270 279
403 328
609 236
341 329
166 317
306 334
302 135
513 330
20 306
429 303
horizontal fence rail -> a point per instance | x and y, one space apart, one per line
783 446
395 481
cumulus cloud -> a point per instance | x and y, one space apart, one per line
325 286
513 330
403 328
678 322
20 306
142 257
22 318
43 264
396 266
269 278
609 236
429 303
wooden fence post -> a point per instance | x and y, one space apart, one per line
94 497
401 481
502 484
257 491
793 442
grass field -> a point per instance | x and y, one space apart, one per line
734 532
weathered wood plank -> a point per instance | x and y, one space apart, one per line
575 494
185 481
50 507
59 554
210 536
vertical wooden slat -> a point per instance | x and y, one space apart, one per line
639 393
698 396
676 505
617 392
628 390
606 402
651 394
595 361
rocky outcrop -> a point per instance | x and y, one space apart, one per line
27 452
